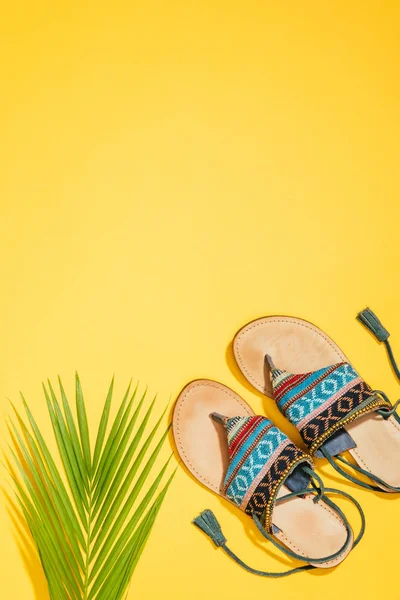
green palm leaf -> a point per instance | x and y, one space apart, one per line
88 526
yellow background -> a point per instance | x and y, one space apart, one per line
170 170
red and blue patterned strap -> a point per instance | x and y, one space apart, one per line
319 403
261 459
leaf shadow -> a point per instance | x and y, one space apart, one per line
26 547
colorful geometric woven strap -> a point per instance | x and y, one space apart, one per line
261 458
320 402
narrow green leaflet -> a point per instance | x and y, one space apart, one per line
53 529
40 490
78 493
113 509
50 464
110 443
117 575
73 433
126 532
83 424
103 427
104 488
86 521
118 450
71 526
71 443
138 548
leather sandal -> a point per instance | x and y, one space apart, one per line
248 461
319 391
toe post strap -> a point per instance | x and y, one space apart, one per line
218 418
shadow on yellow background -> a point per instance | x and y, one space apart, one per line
27 549
170 170
20 530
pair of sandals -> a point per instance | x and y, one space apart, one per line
246 459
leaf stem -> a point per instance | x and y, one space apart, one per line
89 532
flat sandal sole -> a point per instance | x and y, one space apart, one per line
298 346
306 528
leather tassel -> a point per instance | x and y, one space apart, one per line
207 522
373 324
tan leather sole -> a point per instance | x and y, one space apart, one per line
308 529
298 347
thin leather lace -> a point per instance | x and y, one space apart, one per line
385 413
209 524
371 322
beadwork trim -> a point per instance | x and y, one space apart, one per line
376 403
273 497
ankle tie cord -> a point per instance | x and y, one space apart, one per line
371 322
208 523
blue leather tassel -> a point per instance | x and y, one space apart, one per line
373 324
207 522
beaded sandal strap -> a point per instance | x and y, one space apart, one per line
320 403
261 459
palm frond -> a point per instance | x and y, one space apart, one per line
87 524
